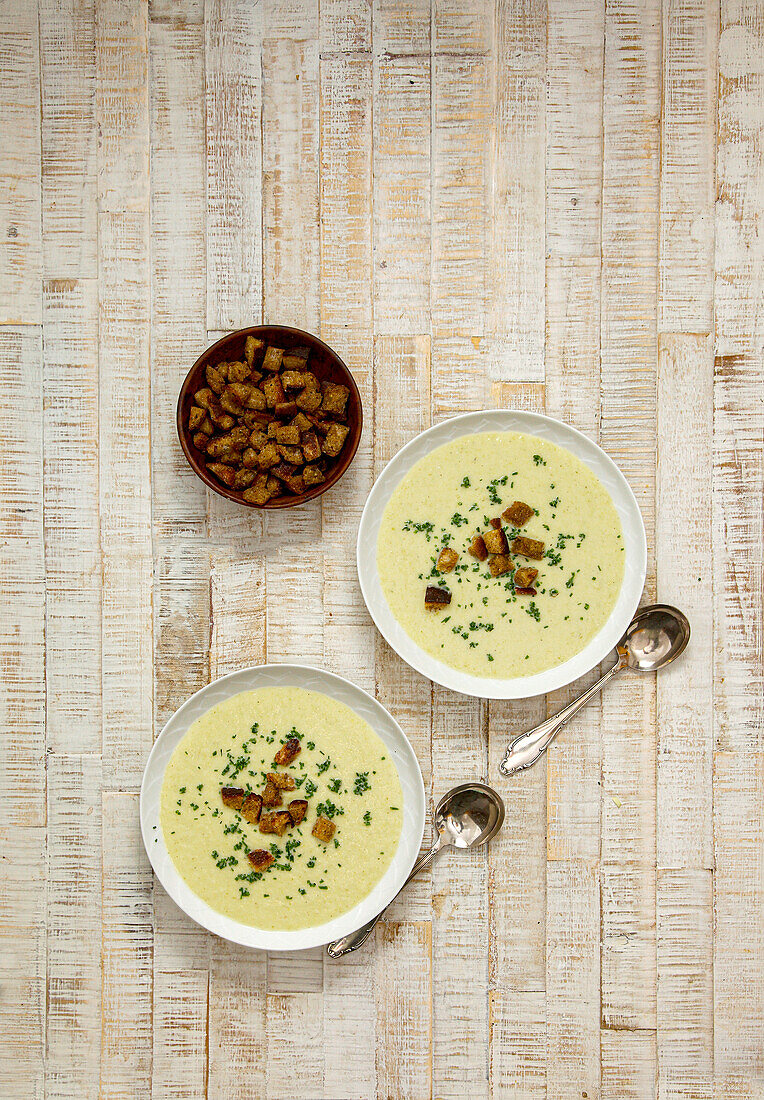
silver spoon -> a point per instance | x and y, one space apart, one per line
465 817
655 637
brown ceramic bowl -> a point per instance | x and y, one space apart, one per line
324 363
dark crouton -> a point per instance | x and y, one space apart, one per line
230 402
528 548
447 559
260 859
204 398
500 564
295 379
525 591
282 780
478 548
518 513
286 408
253 349
272 360
249 458
232 796
291 454
302 422
281 822
222 473
435 599
324 829
311 448
496 542
288 434
335 439
282 470
295 484
274 391
309 400
335 398
215 380
525 576
251 807
271 795
495 523
201 439
267 823
238 372
244 478
268 456
288 752
311 475
195 417
298 809
260 492
255 399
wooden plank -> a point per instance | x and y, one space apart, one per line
518 1044
739 258
688 137
295 1046
401 192
683 548
404 997
71 503
20 204
349 990
573 978
685 987
627 932
233 97
236 1023
69 185
74 921
179 1067
22 580
345 26
628 1065
126 1021
238 613
402 30
460 28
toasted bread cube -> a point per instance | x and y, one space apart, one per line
295 484
324 829
253 348
222 473
447 559
285 408
251 808
244 478
281 822
205 398
239 391
291 454
518 513
207 426
267 823
495 542
302 422
272 429
495 523
296 358
215 379
274 391
230 403
259 492
282 780
287 434
272 360
312 475
239 435
288 752
528 548
335 439
499 564
311 448
525 576
195 417
268 456
238 372
231 458
295 379
233 796
273 487
256 399
298 808
478 548
260 859
200 440
335 399
219 445
282 470
257 438
249 458
223 420
309 400
435 599
222 369
271 795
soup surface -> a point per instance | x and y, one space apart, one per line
344 772
487 628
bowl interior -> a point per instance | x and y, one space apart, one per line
324 363
383 724
521 687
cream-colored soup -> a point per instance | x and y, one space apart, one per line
343 770
451 495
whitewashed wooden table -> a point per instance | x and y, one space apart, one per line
556 206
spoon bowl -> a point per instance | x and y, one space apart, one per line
655 637
469 815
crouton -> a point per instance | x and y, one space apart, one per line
271 795
447 559
231 458
282 821
311 475
200 440
499 564
296 358
525 591
222 473
232 796
251 807
273 486
309 400
495 523
256 399
282 470
435 599
324 829
335 398
220 445
244 478
282 780
525 576
335 439
222 419
195 417
496 542
288 752
272 360
257 438
268 456
295 379
302 422
207 426
204 398
249 458
295 484
291 454
239 435
259 492
274 391
311 448
215 379
238 372
528 548
286 408
260 859
222 369
267 823
297 808
253 348
478 548
287 434
518 513
230 403
271 431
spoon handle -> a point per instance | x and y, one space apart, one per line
526 749
357 939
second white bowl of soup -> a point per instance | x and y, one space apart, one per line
502 554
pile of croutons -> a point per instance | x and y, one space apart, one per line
267 426
262 809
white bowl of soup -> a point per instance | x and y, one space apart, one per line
502 554
282 807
